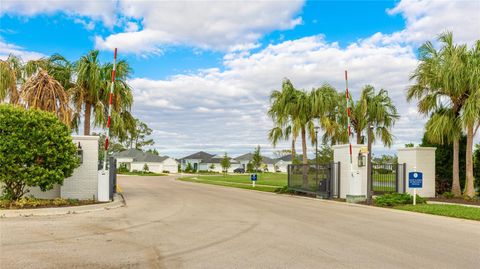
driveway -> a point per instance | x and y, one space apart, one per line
173 224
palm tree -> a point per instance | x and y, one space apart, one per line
376 109
85 93
439 86
471 114
43 92
281 113
10 76
92 90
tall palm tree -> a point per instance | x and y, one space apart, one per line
85 93
281 113
439 85
471 113
376 109
10 76
92 89
373 108
43 92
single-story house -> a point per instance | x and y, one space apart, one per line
281 164
195 160
267 162
203 161
135 160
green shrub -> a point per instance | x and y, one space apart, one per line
393 199
36 149
448 195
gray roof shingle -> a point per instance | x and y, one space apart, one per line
140 156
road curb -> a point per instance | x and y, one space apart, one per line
118 201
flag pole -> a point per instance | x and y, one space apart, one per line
349 131
107 129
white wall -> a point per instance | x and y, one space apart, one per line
423 159
83 183
341 153
170 165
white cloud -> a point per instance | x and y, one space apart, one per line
426 19
226 110
98 10
7 49
204 24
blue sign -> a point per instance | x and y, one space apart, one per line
253 177
415 180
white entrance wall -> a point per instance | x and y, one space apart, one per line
423 159
341 153
83 183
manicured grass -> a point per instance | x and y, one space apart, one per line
384 178
269 182
149 174
456 211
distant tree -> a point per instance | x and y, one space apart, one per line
145 168
36 149
225 163
153 151
138 135
325 154
257 158
212 166
409 145
113 146
250 167
188 168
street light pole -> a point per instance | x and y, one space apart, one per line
316 153
369 164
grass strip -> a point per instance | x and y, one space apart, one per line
456 211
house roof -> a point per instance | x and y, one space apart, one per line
201 155
140 156
286 158
249 156
218 159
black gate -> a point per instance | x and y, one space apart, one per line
387 178
112 167
321 180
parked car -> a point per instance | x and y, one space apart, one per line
239 170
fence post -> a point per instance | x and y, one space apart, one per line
404 177
289 171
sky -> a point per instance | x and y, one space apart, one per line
204 70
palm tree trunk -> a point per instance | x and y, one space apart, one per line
88 114
305 158
469 187
293 149
359 138
456 190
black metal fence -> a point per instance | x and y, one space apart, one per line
388 177
112 167
322 179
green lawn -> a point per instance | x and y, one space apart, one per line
149 174
265 181
456 211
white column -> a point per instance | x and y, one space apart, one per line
353 182
423 160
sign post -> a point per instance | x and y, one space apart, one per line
253 178
415 181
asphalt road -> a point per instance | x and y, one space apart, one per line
172 224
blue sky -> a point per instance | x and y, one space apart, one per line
203 70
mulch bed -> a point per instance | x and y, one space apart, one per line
455 201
